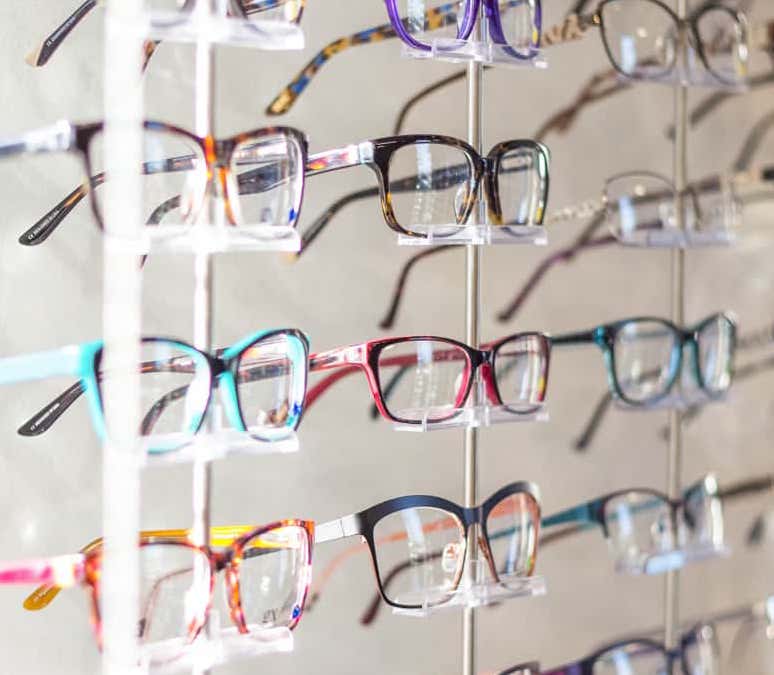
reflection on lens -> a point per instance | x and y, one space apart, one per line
512 529
420 554
267 183
175 583
271 382
273 576
640 37
431 185
716 351
522 184
428 20
638 524
702 516
646 359
635 658
724 42
260 11
173 176
520 370
637 205
174 391
423 380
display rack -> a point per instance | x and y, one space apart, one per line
677 313
205 26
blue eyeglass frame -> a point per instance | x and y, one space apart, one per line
83 362
604 337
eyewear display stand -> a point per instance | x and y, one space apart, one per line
475 235
206 25
477 589
670 561
674 487
483 51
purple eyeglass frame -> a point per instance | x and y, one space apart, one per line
472 9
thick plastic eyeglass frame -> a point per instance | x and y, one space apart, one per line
365 357
363 523
378 154
237 8
85 568
216 158
83 362
604 337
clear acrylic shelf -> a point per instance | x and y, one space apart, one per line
475 235
486 52
682 399
659 563
222 646
483 415
204 238
211 446
477 589
197 25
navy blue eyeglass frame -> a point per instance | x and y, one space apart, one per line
586 665
605 336
364 522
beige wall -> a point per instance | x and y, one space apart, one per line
50 295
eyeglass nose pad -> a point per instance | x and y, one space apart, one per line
662 534
483 547
452 557
461 202
191 197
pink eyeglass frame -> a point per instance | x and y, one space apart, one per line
365 356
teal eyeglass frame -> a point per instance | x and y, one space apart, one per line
605 336
83 362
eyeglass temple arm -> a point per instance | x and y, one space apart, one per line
388 320
753 142
41 54
565 255
345 361
45 227
45 418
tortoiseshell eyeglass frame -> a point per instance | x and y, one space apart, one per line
85 569
215 156
378 154
237 8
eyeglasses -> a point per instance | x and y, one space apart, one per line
549 535
428 380
698 654
287 11
741 373
423 180
267 572
644 356
262 384
515 24
647 531
429 185
412 528
638 208
178 172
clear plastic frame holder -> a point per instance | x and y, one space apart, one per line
223 645
477 589
685 398
474 416
485 51
475 235
660 563
201 23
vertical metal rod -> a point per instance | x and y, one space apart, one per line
203 276
675 458
123 100
473 338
